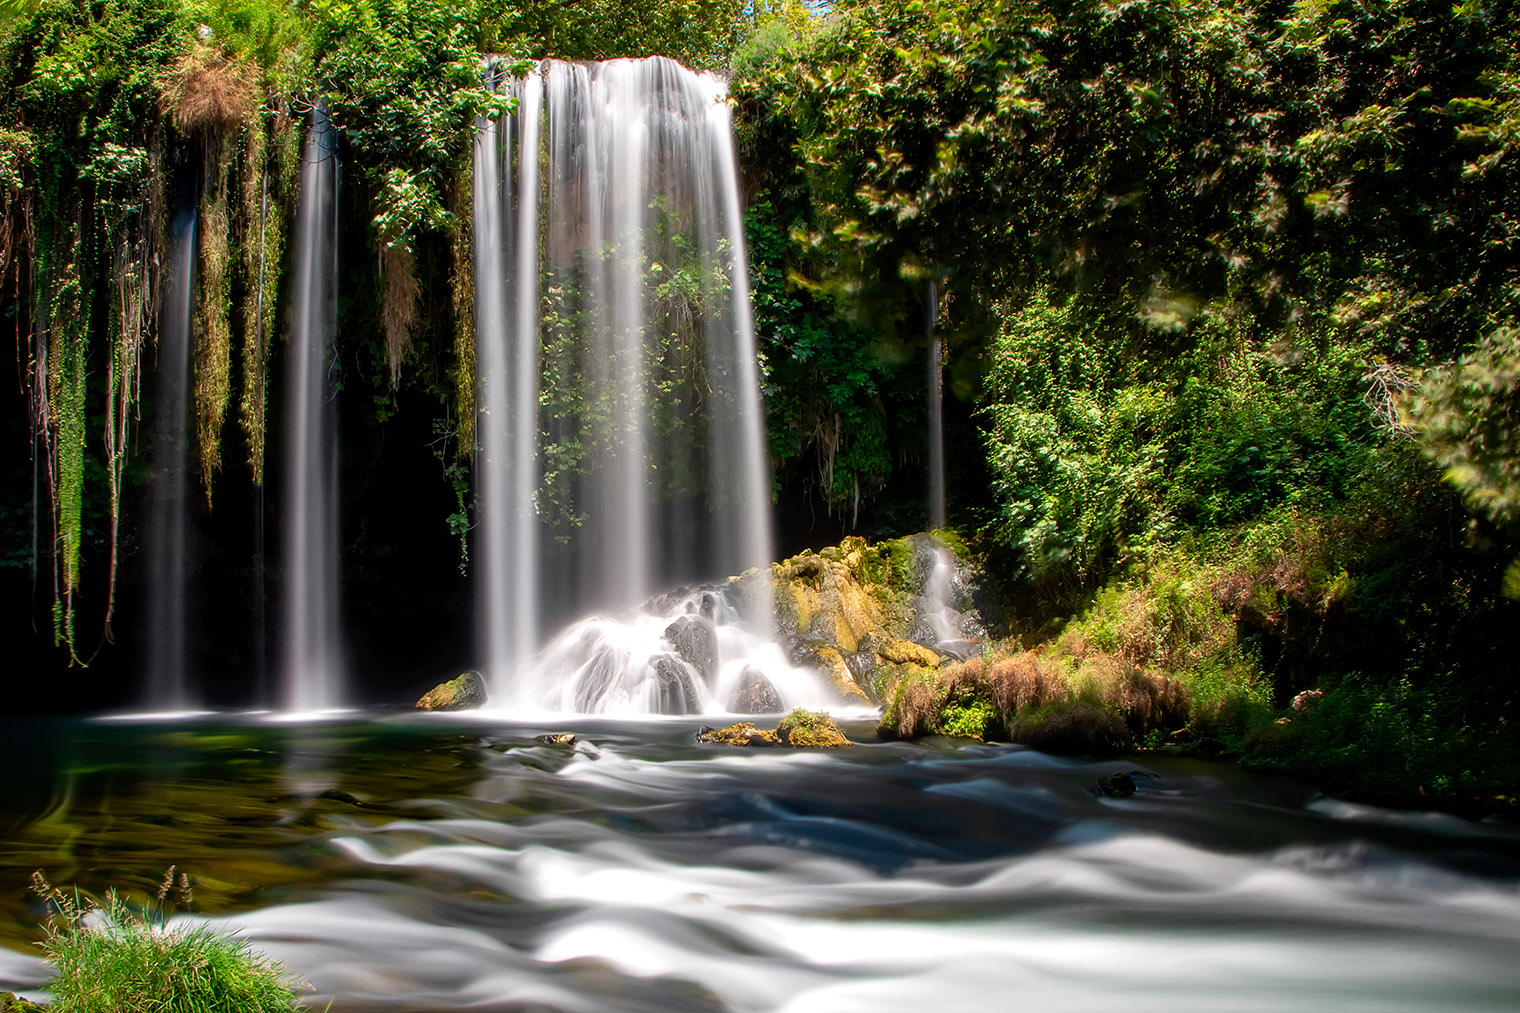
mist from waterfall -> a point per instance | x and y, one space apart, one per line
620 430
169 498
313 661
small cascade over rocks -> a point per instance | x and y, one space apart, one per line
692 651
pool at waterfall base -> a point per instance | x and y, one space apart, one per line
398 861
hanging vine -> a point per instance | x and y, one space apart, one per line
462 288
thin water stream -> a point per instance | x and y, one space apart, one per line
454 863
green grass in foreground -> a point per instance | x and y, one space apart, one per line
113 958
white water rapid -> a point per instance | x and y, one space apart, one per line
621 445
312 664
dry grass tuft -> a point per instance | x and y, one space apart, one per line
913 709
1149 700
208 90
1024 680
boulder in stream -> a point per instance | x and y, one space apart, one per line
467 691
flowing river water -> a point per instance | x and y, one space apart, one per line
442 863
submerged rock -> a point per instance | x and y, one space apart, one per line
1120 785
557 739
466 691
800 730
756 695
695 640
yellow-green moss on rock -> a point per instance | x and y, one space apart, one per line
801 729
467 691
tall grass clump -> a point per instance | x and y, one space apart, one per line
113 957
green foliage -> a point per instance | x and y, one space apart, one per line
1468 418
826 381
116 958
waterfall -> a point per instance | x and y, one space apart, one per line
621 437
938 591
169 500
312 665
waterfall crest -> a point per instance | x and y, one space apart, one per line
621 443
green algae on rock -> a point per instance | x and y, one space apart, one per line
467 691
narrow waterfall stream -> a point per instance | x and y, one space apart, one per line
169 502
313 659
621 448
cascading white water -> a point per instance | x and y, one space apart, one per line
169 500
621 445
313 665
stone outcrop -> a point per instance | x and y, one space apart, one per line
467 691
851 611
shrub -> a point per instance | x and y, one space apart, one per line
112 958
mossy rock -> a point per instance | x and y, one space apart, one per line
743 734
899 651
810 729
9 1003
464 692
800 729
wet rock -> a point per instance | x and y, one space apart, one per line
863 666
675 686
756 695
831 663
465 692
960 650
923 633
1307 699
695 640
556 739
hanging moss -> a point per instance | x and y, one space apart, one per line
261 239
64 430
462 285
398 310
213 345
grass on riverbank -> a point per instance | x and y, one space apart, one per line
112 957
